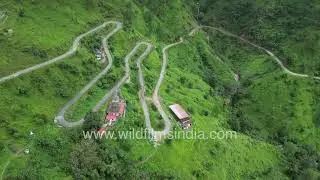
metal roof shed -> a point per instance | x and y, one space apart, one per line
179 111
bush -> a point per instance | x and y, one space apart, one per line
205 97
36 51
24 91
190 85
70 68
13 132
300 159
63 92
168 141
198 173
239 123
107 81
168 90
206 113
41 118
92 122
39 83
183 80
21 13
2 146
91 4
90 67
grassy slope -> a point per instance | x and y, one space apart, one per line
289 28
34 110
220 158
272 101
52 32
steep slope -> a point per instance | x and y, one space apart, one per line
270 105
195 77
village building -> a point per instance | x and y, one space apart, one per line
100 54
117 109
183 117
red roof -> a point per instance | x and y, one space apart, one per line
111 117
179 111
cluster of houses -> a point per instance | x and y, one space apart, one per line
117 109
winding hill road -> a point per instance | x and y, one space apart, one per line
286 70
60 117
155 96
127 72
157 135
72 50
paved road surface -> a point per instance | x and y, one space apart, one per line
157 135
72 50
127 72
155 96
60 117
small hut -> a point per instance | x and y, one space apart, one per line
183 117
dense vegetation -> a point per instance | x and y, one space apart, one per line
276 116
289 28
270 105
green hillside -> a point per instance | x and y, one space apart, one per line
271 105
276 116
